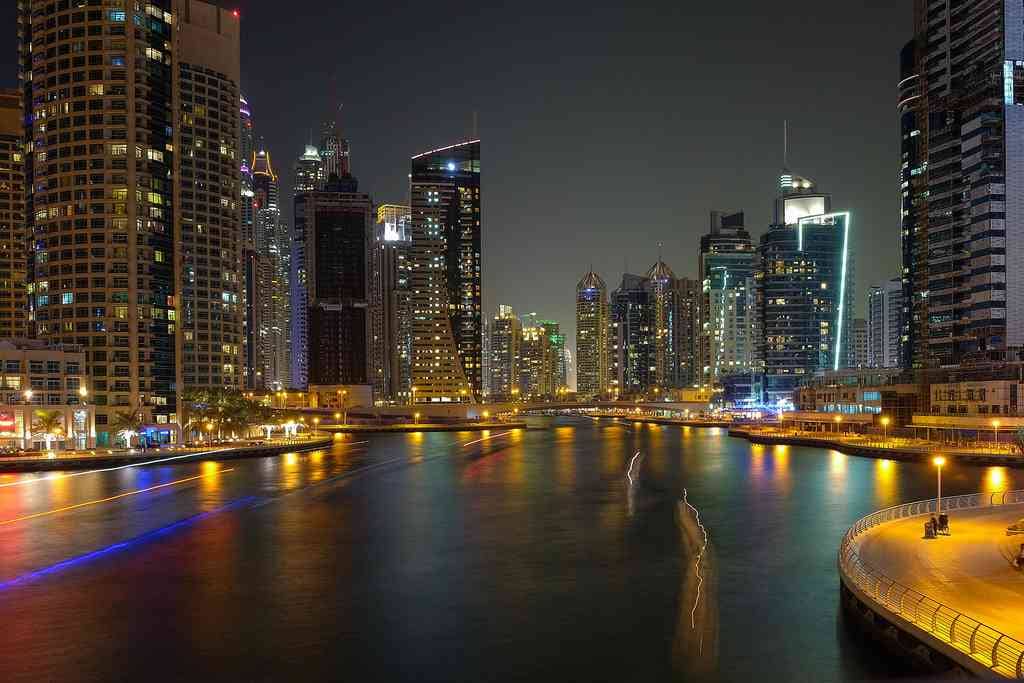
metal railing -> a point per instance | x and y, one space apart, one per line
995 650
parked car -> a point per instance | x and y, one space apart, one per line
1015 528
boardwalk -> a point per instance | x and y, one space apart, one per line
969 571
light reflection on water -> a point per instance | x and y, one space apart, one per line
525 548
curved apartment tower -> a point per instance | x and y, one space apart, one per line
444 276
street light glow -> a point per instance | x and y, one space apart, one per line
938 461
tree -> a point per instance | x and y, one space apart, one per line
47 425
127 424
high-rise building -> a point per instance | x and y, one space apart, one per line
961 111
556 343
687 330
728 313
274 259
336 224
334 152
805 288
885 324
12 216
506 336
250 257
536 364
390 333
445 275
860 356
662 283
309 171
592 326
634 317
134 169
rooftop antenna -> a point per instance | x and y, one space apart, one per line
659 252
785 144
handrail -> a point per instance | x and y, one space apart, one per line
997 651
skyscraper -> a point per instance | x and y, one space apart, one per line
157 241
250 257
556 343
662 283
859 348
391 333
334 152
274 255
309 171
961 114
537 364
805 287
885 324
592 325
728 314
445 275
506 336
687 330
336 224
634 319
12 216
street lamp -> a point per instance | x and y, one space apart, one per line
487 414
316 425
838 419
938 461
28 396
995 431
413 395
885 425
416 418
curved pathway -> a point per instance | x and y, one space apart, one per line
969 571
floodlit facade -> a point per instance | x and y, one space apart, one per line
860 356
253 369
133 212
445 274
391 330
592 326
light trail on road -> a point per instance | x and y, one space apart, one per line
110 498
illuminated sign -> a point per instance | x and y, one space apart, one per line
7 423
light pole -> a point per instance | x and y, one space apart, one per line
838 419
938 461
995 432
885 425
316 425
415 418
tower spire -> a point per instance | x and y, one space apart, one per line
785 144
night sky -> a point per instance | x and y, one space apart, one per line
605 128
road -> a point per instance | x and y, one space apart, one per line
969 571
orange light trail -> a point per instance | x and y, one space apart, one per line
107 500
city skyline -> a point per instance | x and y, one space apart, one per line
677 168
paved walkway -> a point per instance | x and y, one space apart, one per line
969 571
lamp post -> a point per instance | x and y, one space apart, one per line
838 419
413 394
28 396
995 432
316 425
885 426
416 418
938 461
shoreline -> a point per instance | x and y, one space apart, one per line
868 450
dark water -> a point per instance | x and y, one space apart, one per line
419 557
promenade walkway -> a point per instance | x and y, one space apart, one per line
968 571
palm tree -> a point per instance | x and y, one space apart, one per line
127 424
47 424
